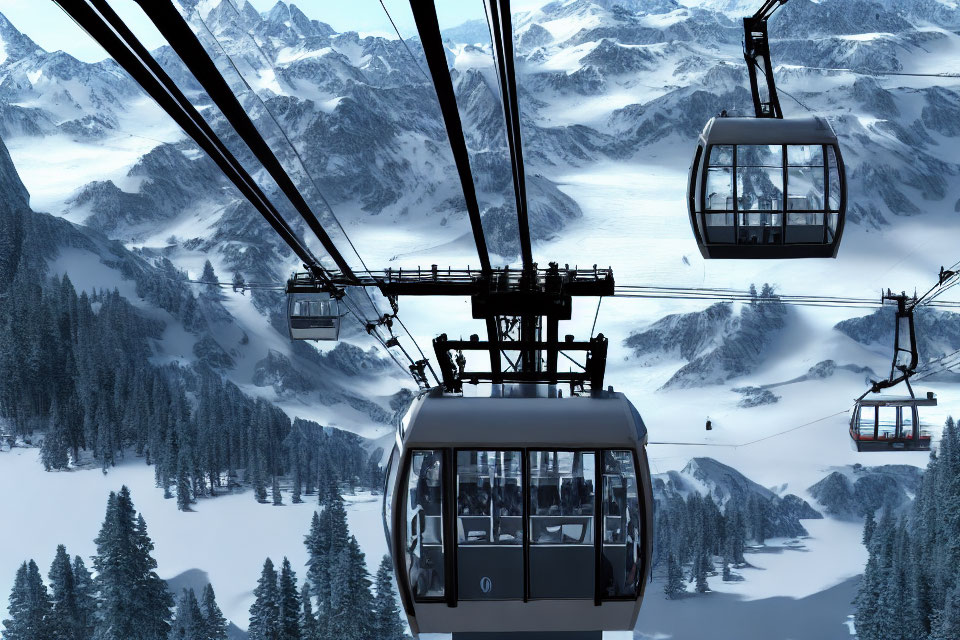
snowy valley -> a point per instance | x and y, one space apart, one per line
100 186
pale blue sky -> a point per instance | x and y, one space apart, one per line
49 27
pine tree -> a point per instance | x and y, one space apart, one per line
86 592
238 281
289 603
947 624
189 622
674 587
350 599
701 562
216 624
54 452
386 614
317 542
309 629
265 611
275 492
209 275
869 525
183 480
29 606
65 617
134 601
259 486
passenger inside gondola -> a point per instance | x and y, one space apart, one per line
425 524
621 518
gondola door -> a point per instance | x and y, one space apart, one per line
563 555
489 526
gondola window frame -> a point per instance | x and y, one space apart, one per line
448 523
832 165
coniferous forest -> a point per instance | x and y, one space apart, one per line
124 599
911 586
75 369
695 539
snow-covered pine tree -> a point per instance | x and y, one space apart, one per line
327 538
183 479
947 623
209 275
350 599
289 603
258 482
701 562
386 613
188 622
275 491
53 451
86 592
65 615
134 601
674 586
29 606
869 525
216 624
316 542
309 630
265 610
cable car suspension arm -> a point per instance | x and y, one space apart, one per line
756 51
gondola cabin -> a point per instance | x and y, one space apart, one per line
520 512
313 316
890 424
767 188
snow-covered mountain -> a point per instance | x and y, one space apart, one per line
852 492
724 484
613 93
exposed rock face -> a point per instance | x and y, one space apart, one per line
718 343
938 332
277 371
171 182
755 397
852 492
354 361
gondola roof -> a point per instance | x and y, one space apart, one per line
898 400
807 130
522 421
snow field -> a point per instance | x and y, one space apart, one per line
228 537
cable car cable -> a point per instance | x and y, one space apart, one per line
99 20
187 46
425 16
867 72
751 442
500 24
595 316
405 45
303 164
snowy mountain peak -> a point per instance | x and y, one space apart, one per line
14 45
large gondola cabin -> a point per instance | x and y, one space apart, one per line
520 512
